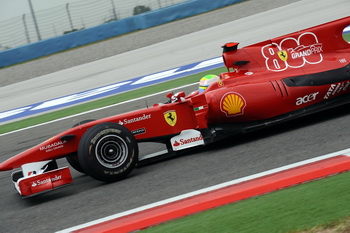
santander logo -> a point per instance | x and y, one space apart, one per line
186 139
176 144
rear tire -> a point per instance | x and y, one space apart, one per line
108 152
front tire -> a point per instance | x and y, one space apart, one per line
73 157
73 161
108 152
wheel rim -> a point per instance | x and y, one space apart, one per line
111 151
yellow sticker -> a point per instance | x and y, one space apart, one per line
170 117
283 55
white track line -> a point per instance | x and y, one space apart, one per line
205 190
95 110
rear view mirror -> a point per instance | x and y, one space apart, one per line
169 95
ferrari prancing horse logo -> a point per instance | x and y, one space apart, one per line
170 117
283 55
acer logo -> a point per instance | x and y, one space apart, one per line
306 98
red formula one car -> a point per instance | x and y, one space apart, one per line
266 83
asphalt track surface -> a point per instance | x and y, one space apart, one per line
226 160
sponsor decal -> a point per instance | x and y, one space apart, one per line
343 60
31 173
43 169
47 180
187 139
135 119
138 131
248 73
44 182
336 88
200 108
53 146
304 51
36 168
283 55
306 99
170 117
232 104
293 52
330 91
183 141
220 83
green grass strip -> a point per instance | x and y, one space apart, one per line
107 101
297 208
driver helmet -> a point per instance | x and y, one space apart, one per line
206 81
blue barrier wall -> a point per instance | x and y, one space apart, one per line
108 30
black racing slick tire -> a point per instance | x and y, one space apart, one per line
74 162
73 157
108 152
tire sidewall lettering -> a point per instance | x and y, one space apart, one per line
104 132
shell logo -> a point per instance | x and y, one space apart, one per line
232 104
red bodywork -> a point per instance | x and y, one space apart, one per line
266 83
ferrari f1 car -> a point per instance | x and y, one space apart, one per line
266 83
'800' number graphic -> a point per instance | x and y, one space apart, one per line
294 53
